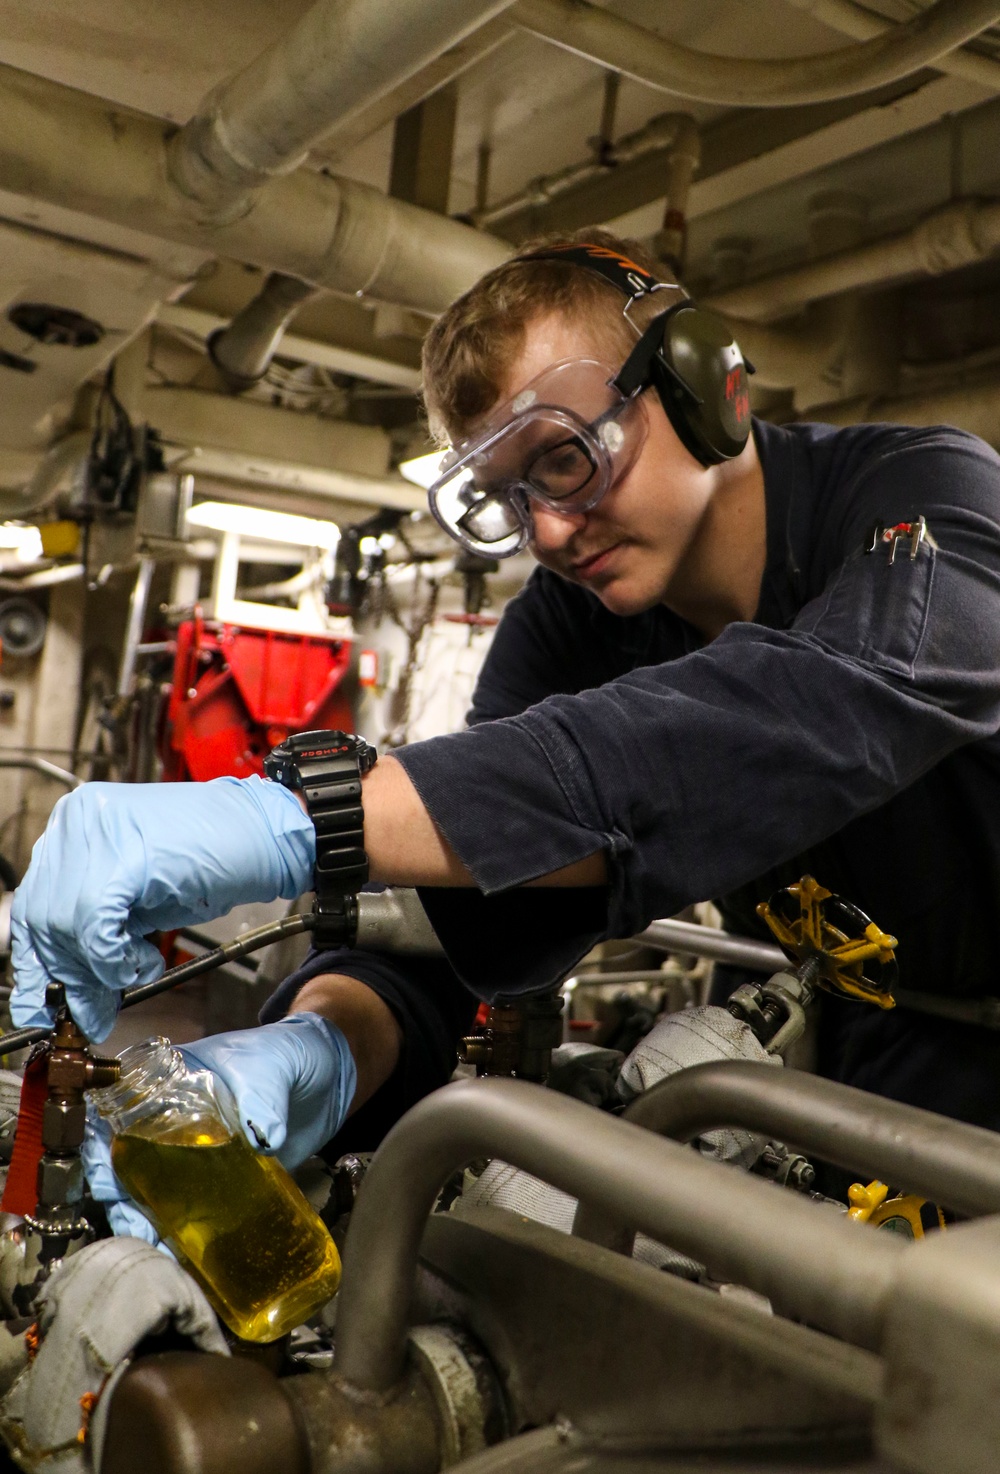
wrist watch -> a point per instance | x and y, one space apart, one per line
326 768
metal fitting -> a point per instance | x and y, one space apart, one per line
60 1180
63 1123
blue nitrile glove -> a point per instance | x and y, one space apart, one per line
121 860
293 1083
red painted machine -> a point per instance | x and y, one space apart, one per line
238 692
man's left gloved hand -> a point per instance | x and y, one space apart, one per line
292 1081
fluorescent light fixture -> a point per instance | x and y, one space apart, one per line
423 470
264 525
24 542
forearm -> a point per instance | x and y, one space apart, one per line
405 846
366 1021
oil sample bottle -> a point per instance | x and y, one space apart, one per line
235 1220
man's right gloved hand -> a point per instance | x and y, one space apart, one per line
293 1082
120 860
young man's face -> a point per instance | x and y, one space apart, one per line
630 549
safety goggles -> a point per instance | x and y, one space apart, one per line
561 443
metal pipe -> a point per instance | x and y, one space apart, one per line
960 234
973 404
854 20
810 1264
45 578
395 921
242 351
607 39
42 765
659 132
83 153
693 940
339 58
914 1150
136 618
63 457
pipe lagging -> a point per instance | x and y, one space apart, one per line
914 1150
811 1264
611 41
959 234
342 56
80 152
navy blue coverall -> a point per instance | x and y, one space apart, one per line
851 731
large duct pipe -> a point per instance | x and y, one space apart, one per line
810 1263
242 352
342 56
77 151
957 235
854 20
599 36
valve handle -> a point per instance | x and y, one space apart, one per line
844 948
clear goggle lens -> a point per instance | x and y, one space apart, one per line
563 455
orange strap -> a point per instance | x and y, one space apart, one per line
21 1192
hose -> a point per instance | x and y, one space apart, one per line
251 941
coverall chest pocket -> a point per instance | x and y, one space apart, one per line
876 611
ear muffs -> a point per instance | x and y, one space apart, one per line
687 353
689 356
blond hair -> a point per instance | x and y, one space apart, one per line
472 347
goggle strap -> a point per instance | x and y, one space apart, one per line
636 374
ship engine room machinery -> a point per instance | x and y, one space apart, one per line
779 1330
225 233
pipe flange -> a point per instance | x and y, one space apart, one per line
466 1395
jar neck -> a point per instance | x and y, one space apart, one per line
147 1069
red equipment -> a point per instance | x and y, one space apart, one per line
238 692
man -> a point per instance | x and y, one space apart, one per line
744 656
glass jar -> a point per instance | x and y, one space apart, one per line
235 1219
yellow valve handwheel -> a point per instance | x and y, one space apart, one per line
853 956
906 1214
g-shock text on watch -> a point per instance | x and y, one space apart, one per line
326 768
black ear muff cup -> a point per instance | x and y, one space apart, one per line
701 379
687 353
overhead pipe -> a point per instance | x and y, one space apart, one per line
972 405
957 235
683 161
854 20
242 351
668 130
62 459
341 56
609 40
78 151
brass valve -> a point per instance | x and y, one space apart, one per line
517 1039
71 1069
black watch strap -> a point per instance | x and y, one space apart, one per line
327 768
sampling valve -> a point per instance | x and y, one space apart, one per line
51 1125
837 948
517 1037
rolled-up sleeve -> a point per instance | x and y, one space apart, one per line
696 775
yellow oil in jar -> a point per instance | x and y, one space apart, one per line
237 1220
